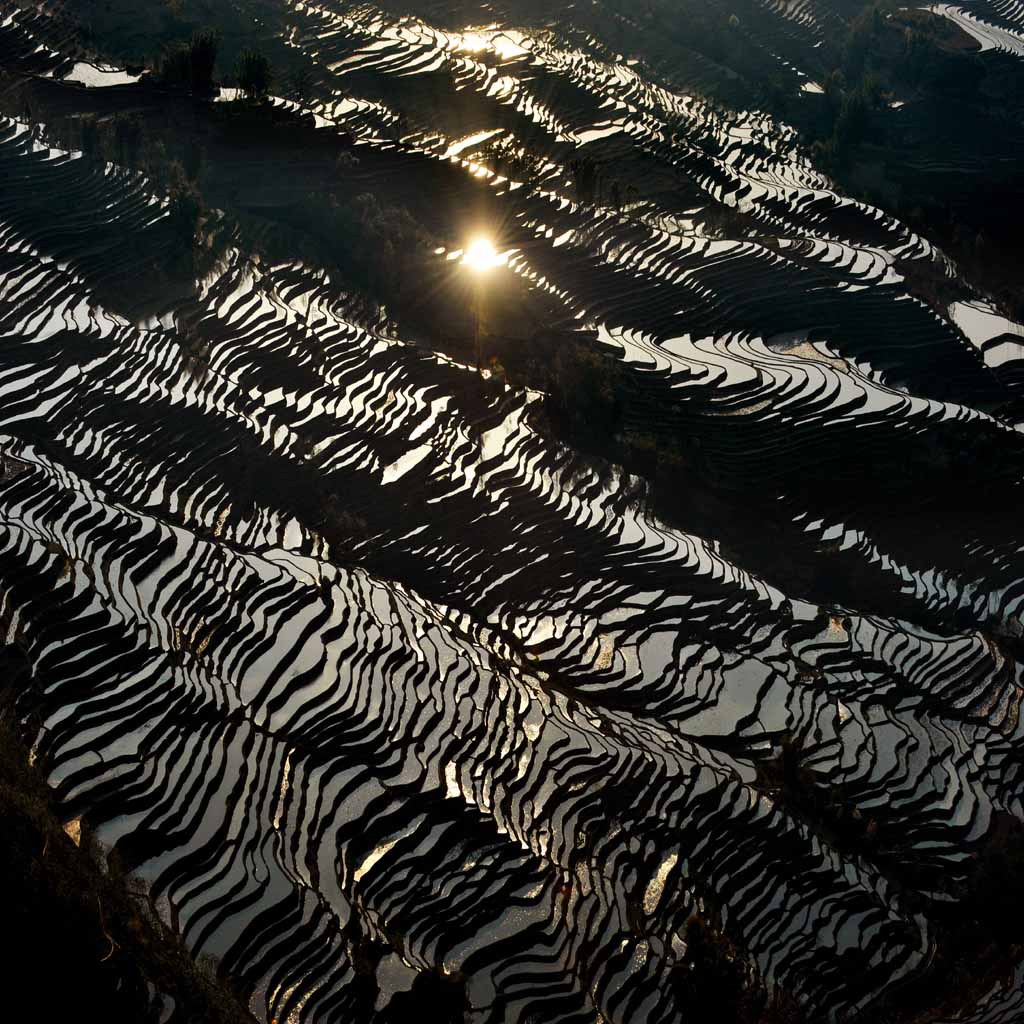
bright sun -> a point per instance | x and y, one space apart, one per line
481 256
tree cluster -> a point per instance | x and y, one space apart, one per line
191 65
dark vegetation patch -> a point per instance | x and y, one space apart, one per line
442 993
191 65
713 981
142 35
947 162
83 942
239 158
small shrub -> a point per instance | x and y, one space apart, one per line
300 81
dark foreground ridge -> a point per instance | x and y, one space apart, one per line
83 940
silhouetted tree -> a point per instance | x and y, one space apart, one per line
185 212
254 74
128 138
776 93
90 136
833 90
202 57
175 68
301 83
586 178
191 65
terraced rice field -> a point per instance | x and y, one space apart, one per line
372 679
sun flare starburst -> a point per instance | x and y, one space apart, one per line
481 256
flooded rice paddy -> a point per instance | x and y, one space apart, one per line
370 677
